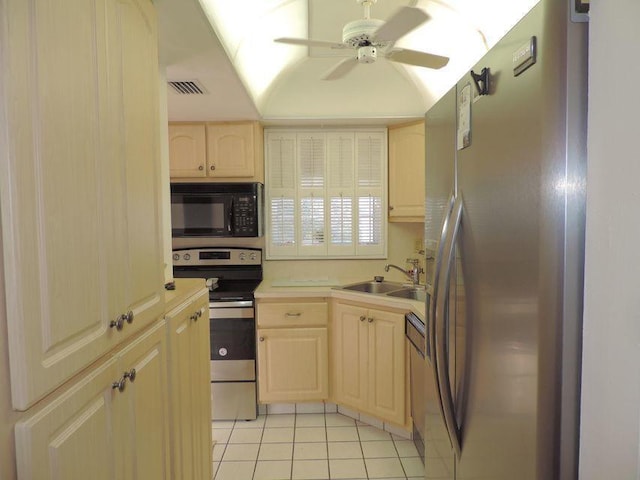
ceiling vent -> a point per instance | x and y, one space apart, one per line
191 87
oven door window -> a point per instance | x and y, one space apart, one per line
232 339
199 215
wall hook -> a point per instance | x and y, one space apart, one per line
482 81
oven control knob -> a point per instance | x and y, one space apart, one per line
252 256
242 256
176 256
222 352
187 256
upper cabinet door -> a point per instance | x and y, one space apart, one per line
78 184
406 173
142 272
187 150
230 150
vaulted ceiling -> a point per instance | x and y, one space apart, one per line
227 48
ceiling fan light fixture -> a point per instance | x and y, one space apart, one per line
360 32
367 54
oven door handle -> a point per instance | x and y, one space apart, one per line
231 304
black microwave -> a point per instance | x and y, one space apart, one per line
216 209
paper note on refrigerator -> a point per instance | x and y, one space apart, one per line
464 117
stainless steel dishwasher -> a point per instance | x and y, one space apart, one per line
415 331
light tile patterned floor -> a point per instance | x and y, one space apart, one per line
311 446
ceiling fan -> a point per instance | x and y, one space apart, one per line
369 36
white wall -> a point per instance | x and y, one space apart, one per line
610 425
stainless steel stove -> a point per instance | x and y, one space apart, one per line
232 274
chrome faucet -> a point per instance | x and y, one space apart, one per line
412 273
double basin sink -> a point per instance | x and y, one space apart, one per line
389 289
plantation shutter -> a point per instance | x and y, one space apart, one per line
370 192
341 193
311 191
325 192
281 193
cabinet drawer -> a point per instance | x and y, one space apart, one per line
292 314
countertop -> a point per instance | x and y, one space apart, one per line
268 290
185 288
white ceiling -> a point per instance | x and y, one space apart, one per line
382 92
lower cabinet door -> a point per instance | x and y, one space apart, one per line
369 361
350 351
386 372
74 436
145 416
189 385
110 425
292 365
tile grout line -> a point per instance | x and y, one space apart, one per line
325 444
366 470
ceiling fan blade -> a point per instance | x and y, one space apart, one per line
419 59
310 43
340 69
400 23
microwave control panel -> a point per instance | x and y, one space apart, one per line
244 215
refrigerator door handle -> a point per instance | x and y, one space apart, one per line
441 339
433 311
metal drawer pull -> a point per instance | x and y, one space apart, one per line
289 314
370 319
362 318
131 375
118 323
261 339
120 384
129 316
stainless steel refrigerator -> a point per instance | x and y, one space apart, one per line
505 188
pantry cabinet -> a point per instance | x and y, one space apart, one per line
80 187
368 353
190 393
229 152
111 422
292 351
406 172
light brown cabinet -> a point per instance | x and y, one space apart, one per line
406 172
230 152
368 354
189 382
81 186
292 351
188 150
112 422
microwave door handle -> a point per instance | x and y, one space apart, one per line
230 226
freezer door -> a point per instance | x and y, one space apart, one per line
514 258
